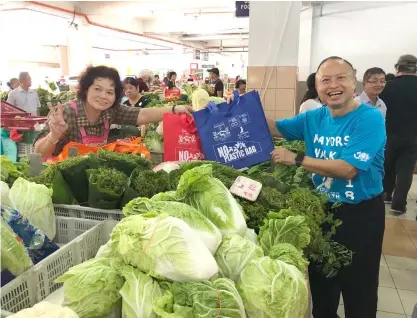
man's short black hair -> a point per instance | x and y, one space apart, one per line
337 58
389 77
372 71
92 73
407 69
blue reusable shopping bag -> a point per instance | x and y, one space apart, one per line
235 134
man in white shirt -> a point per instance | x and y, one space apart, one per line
24 97
373 85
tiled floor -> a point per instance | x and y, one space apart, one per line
398 272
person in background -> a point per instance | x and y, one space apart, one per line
237 78
190 79
156 80
373 84
400 97
172 78
23 96
389 77
241 87
13 83
217 87
88 119
133 89
311 98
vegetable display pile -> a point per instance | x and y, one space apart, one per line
188 248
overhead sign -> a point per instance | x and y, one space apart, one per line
242 9
207 66
196 54
205 56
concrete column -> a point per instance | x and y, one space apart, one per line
79 49
274 29
63 60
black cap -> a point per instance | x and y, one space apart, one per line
214 70
406 60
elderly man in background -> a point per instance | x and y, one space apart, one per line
24 97
373 85
400 96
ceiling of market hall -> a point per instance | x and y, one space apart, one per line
133 25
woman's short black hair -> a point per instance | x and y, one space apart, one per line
171 74
139 83
239 82
92 73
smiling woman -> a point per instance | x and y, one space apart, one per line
88 119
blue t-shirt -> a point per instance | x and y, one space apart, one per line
357 138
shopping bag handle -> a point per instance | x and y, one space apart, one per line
213 108
187 122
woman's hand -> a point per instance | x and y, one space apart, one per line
183 109
230 98
57 124
284 156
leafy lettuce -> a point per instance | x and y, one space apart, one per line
190 299
234 254
204 228
163 247
198 188
287 253
271 288
91 288
281 229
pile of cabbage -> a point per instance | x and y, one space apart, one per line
188 253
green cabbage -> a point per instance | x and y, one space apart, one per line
14 256
166 196
217 100
200 99
234 254
190 299
280 229
34 202
208 195
287 253
204 228
271 288
139 293
163 247
154 142
5 198
91 288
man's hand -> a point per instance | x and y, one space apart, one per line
284 156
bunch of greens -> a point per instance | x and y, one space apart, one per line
4 95
91 288
154 142
328 255
123 162
218 298
105 188
11 171
204 228
44 98
14 256
272 288
297 146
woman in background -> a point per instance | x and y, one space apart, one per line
311 97
240 86
133 88
13 83
172 77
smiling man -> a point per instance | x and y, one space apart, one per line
345 152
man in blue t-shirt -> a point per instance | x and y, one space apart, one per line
345 152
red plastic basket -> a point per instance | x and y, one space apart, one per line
7 108
22 123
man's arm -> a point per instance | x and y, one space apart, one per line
272 125
220 89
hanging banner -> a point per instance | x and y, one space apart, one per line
242 9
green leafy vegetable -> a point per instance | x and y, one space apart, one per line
154 142
139 292
162 246
282 229
124 162
190 299
234 254
34 202
271 288
208 195
204 228
14 256
287 253
106 187
9 172
91 288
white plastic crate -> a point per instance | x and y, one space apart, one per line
37 283
23 150
82 212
